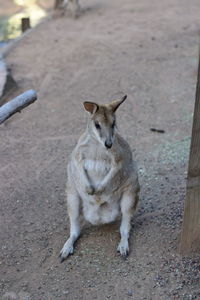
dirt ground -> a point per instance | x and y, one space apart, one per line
148 50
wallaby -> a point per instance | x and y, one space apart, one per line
102 177
74 7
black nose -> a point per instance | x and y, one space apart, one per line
108 144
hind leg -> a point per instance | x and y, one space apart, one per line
73 201
128 205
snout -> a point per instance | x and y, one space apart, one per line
108 144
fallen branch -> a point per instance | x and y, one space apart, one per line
17 104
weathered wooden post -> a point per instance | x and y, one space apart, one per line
17 104
190 236
25 24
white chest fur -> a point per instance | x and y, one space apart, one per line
96 167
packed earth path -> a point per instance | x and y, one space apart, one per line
147 50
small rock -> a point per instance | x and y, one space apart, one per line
130 293
65 292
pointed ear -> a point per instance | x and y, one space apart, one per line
115 104
91 107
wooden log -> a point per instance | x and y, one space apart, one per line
190 236
17 104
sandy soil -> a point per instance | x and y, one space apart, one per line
148 50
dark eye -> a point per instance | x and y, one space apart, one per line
97 125
113 124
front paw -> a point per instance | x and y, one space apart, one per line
90 190
99 190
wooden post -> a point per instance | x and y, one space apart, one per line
25 24
190 236
17 104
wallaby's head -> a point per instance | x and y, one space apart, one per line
102 121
